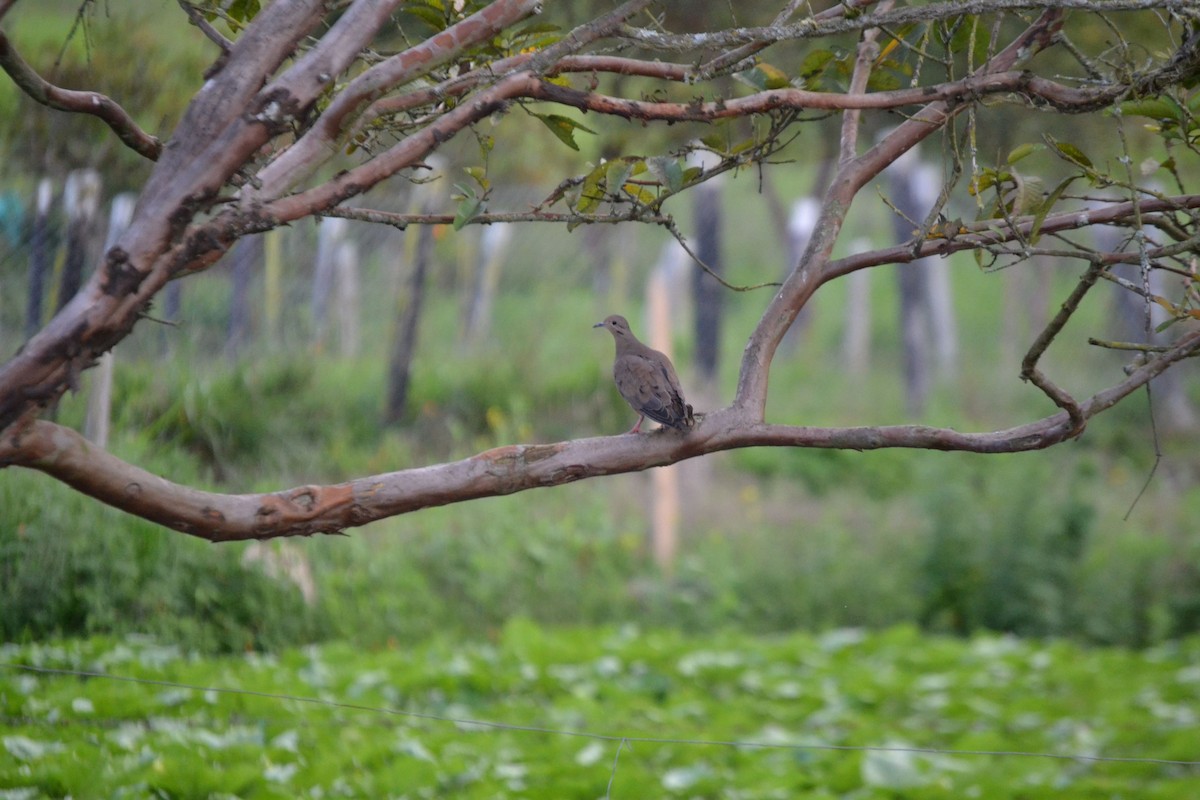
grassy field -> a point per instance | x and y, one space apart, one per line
609 712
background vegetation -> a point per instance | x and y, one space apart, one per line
1036 544
821 599
400 720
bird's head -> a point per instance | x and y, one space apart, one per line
615 324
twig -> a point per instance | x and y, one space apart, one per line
1157 453
79 102
868 50
197 19
679 237
1029 369
1135 346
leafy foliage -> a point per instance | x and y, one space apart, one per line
794 696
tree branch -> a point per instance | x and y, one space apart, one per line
304 510
402 221
196 18
988 232
77 102
819 27
316 144
812 269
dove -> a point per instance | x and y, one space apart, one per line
646 379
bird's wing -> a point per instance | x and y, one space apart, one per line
647 384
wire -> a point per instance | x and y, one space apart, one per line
621 739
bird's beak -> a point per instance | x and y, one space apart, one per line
599 324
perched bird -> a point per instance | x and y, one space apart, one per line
646 379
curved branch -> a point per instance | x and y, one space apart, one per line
301 511
96 104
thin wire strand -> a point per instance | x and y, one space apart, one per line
622 740
613 775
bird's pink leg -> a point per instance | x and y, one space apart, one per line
638 428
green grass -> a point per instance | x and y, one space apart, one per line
63 735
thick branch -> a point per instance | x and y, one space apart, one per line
77 102
65 455
406 153
317 143
216 138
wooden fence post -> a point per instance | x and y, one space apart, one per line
330 232
81 201
347 269
39 258
856 341
99 406
493 244
664 481
404 343
246 255
273 284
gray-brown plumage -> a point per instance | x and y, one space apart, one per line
646 379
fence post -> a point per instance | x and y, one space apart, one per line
493 244
273 283
99 405
39 257
81 201
330 232
347 269
664 482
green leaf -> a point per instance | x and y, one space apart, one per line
815 63
590 193
715 141
1163 108
1023 150
1164 325
538 27
881 81
564 128
986 179
617 172
743 146
773 77
479 174
1047 205
466 211
427 13
243 11
1027 193
1071 153
764 77
667 171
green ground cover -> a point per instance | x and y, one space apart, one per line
404 722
